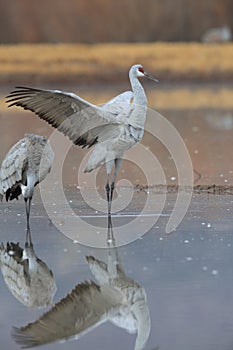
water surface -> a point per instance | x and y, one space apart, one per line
187 275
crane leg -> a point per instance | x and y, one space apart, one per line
109 166
107 187
118 162
110 190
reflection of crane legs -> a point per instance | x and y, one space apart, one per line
114 265
28 209
28 240
110 236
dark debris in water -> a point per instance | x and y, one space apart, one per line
208 189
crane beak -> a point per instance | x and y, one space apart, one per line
150 77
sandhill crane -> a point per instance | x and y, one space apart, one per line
114 127
26 164
28 278
115 298
217 35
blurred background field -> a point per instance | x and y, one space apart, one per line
98 40
110 62
206 69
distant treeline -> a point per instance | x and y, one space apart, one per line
91 21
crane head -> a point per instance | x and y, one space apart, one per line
138 71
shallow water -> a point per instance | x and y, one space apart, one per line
187 275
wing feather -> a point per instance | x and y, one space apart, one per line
69 113
81 310
120 103
13 165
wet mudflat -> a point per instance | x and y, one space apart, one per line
187 275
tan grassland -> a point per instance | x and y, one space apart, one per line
42 64
108 61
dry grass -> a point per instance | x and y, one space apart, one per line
58 63
69 62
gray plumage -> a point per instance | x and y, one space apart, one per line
27 277
26 164
113 127
115 298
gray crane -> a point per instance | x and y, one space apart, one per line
115 298
27 277
26 164
113 127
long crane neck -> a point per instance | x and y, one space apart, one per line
138 91
138 116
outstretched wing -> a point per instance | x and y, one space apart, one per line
121 107
69 113
13 165
121 104
81 310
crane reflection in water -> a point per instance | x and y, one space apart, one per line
113 297
28 278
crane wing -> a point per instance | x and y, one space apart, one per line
13 165
121 107
80 311
120 104
102 271
69 113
